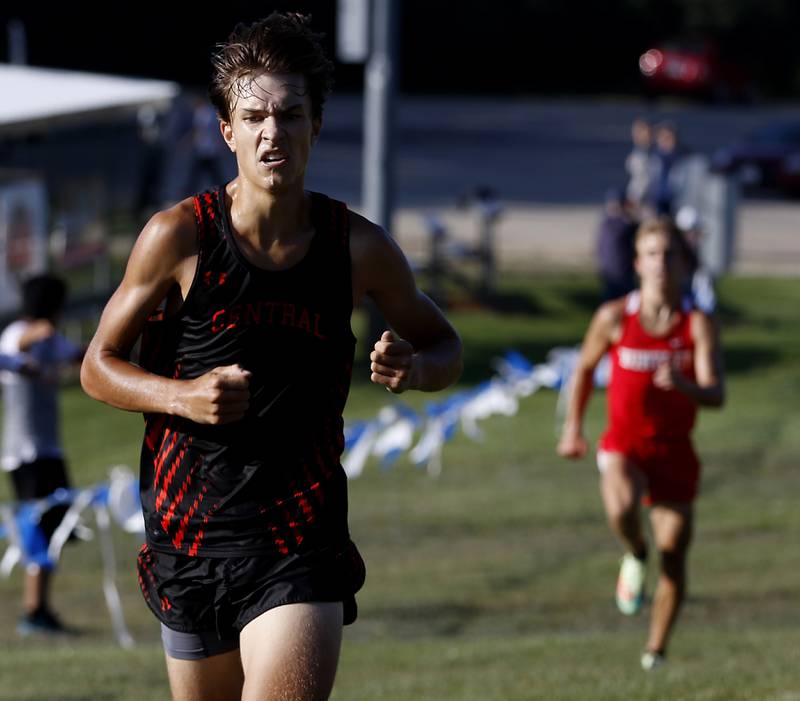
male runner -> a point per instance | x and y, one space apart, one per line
665 362
244 375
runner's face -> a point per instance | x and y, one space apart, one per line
271 129
658 261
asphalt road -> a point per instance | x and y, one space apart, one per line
550 162
529 151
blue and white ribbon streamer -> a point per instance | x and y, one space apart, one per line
116 500
392 431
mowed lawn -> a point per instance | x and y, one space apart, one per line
495 580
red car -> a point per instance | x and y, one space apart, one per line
693 68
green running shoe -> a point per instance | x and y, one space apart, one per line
630 584
652 660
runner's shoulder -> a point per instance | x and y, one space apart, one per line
610 314
702 324
364 233
371 246
170 233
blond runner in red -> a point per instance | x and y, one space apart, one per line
664 363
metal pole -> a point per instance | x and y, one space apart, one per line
378 171
17 42
378 162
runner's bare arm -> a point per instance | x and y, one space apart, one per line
424 350
602 331
708 388
163 260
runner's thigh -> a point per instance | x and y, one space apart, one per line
291 652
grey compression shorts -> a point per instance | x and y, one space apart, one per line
195 646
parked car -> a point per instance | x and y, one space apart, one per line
693 68
789 174
767 158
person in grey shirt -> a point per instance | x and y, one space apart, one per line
31 450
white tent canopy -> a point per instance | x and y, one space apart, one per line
37 99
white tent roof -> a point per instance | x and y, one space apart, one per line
36 99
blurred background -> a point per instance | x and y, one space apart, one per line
528 106
512 143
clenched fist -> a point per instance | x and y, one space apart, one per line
393 363
221 396
572 445
667 377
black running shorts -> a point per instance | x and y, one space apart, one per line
217 597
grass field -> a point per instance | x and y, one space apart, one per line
495 581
